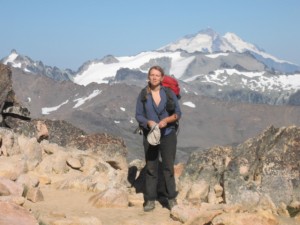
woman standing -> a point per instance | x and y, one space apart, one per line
158 126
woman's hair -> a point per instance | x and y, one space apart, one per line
156 68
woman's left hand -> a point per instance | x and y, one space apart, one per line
162 124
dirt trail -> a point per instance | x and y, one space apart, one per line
59 204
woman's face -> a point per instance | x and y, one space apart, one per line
155 77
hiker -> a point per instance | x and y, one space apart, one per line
159 137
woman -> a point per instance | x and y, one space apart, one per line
150 114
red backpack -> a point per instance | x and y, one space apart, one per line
172 83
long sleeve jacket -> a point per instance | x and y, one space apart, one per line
148 110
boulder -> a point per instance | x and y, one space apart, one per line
263 167
13 214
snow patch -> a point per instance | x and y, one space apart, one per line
213 56
189 104
47 110
81 101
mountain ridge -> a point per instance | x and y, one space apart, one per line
237 73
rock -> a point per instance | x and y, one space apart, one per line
218 190
9 144
4 190
294 208
110 198
28 180
18 200
42 131
198 192
203 217
11 110
183 213
91 220
5 85
17 110
267 165
44 179
35 195
245 219
273 167
13 214
32 152
11 187
12 167
55 163
282 210
74 163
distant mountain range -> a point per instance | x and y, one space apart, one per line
225 67
218 75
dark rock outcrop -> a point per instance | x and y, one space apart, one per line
264 167
16 117
10 108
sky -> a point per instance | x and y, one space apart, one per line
68 33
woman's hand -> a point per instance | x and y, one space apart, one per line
162 124
151 123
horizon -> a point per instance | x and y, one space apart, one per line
69 33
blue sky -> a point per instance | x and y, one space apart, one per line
67 33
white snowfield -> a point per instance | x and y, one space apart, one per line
97 72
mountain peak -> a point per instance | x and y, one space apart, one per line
202 41
13 51
209 41
209 31
11 57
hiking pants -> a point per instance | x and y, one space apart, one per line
167 150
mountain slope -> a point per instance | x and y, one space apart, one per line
25 63
110 108
224 67
208 41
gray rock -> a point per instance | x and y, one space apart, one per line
267 165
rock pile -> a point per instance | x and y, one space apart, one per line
260 175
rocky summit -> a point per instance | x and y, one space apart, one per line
54 173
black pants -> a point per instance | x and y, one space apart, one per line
167 150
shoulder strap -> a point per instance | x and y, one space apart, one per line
144 94
144 99
168 92
170 107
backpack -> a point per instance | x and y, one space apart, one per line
172 83
169 84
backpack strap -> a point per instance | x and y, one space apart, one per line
143 95
170 106
144 99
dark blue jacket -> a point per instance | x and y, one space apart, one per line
155 113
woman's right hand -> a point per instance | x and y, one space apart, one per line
151 123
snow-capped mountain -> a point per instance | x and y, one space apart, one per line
207 63
26 64
208 41
205 49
